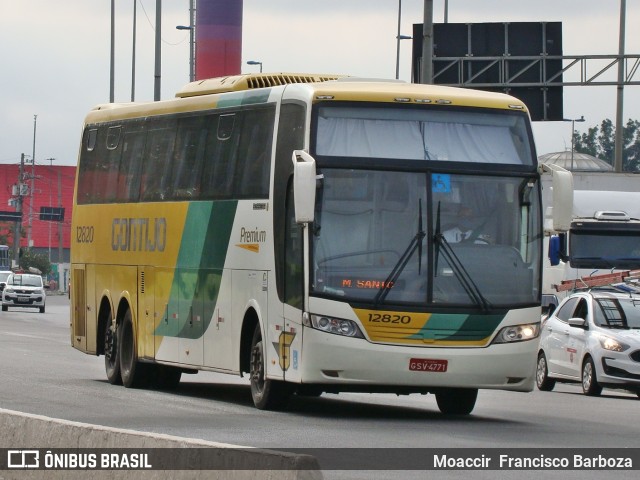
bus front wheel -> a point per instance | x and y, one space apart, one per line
457 401
266 394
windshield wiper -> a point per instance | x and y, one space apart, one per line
416 243
461 273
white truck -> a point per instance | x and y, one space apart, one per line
604 235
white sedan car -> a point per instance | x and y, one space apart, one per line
24 290
593 338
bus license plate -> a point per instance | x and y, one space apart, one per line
428 365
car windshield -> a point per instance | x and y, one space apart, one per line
617 313
4 276
25 280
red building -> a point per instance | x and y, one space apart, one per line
52 187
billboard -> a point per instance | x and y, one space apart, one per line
508 57
218 38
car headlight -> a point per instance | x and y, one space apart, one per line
337 326
518 333
8 289
612 344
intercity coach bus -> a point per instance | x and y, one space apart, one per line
318 233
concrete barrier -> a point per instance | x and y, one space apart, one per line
25 431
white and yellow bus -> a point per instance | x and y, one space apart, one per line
318 233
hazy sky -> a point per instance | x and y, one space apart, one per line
55 55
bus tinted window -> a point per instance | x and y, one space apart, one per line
220 154
206 155
157 168
254 154
427 134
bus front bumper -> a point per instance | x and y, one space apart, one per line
357 364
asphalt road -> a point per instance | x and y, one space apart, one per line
41 373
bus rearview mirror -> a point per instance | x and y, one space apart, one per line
304 186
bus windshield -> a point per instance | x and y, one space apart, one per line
424 134
420 238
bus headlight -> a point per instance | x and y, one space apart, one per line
337 326
518 333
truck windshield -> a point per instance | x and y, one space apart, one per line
419 238
607 247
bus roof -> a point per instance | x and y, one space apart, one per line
344 87
319 86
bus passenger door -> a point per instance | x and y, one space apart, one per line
290 340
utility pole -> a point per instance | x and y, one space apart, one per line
156 85
427 44
112 54
133 53
17 227
33 180
619 144
60 259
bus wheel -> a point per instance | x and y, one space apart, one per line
457 401
266 394
131 370
111 354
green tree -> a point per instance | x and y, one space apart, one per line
600 141
40 261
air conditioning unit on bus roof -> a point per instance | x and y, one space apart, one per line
249 81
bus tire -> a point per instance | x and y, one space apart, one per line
111 354
266 394
543 381
132 371
456 401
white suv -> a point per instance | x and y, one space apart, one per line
24 290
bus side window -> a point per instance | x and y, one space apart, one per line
254 155
156 170
189 151
129 178
86 173
111 166
220 156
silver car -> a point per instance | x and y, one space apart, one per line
593 338
24 290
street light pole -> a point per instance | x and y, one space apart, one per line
133 54
399 38
255 62
573 129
